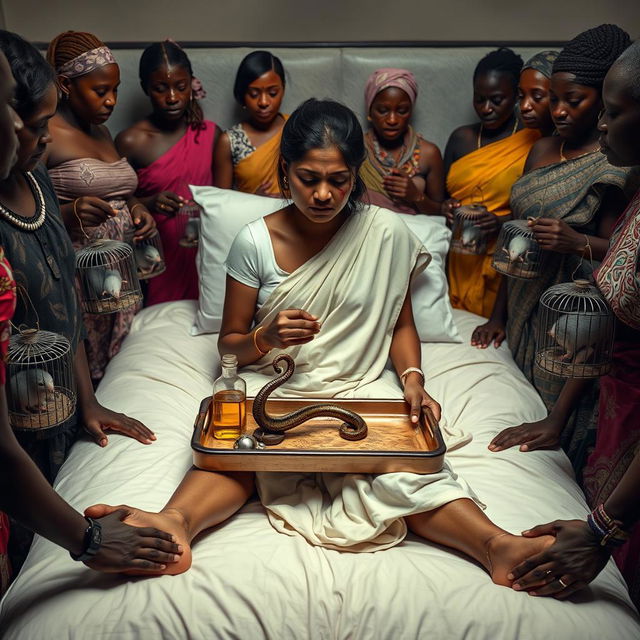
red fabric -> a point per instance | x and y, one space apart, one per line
187 162
617 442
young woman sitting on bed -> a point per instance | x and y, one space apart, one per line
326 280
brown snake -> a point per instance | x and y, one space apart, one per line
271 428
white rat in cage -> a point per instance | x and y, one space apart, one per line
147 258
192 231
112 284
31 389
519 249
470 236
578 335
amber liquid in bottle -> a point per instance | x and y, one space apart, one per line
228 414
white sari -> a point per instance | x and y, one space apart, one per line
356 287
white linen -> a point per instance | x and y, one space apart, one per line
249 581
226 212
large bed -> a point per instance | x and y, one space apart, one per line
248 581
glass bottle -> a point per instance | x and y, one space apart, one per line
229 401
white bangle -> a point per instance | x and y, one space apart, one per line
406 372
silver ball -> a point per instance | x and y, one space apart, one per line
245 441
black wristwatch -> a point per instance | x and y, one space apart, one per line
92 541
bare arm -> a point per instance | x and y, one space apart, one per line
222 164
433 171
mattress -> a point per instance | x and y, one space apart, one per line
248 581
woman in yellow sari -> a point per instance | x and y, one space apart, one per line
246 156
482 161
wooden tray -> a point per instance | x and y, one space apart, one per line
392 444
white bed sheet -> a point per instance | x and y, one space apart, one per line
247 581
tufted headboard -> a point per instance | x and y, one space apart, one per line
443 75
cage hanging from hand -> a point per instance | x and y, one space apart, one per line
108 277
575 331
149 257
517 253
467 236
188 225
41 390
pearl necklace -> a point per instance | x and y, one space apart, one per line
37 220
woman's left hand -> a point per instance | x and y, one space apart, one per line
488 221
576 558
418 398
557 235
401 187
144 222
97 419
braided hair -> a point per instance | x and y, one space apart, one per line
502 60
168 54
69 45
590 54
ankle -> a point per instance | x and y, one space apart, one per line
490 546
180 517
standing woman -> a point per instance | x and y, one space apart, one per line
482 162
246 157
94 184
170 149
402 171
533 92
576 196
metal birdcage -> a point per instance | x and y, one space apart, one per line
575 331
467 236
149 257
108 277
41 390
188 225
517 253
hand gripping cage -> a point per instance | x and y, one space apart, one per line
149 257
517 253
188 225
575 331
41 390
107 274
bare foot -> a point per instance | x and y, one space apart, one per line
505 551
170 521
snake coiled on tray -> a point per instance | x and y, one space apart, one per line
271 428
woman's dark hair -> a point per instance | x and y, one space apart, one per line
502 60
318 124
169 53
32 73
254 65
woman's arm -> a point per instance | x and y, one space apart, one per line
142 219
222 164
494 329
432 168
405 353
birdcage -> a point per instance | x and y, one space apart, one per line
188 225
149 256
41 389
467 236
517 253
108 277
575 331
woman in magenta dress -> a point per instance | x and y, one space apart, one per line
170 149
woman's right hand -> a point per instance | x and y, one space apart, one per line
91 211
168 203
543 434
490 331
448 207
290 327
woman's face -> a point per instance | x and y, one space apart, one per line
390 114
533 96
493 98
169 89
92 97
620 122
264 97
320 184
10 123
35 137
574 107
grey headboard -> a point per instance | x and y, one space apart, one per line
443 75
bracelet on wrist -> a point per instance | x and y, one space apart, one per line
406 372
256 331
608 532
91 543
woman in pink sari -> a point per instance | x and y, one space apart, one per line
170 149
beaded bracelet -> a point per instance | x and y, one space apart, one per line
606 529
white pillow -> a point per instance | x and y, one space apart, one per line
225 212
